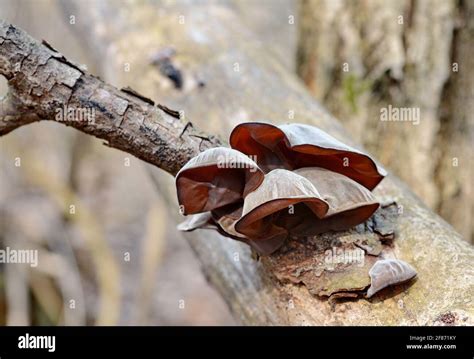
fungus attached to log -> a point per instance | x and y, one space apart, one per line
349 203
225 219
307 187
215 178
295 146
387 272
274 208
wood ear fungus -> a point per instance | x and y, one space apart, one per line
215 178
268 212
303 182
387 272
349 202
294 146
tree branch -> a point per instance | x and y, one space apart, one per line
11 118
44 85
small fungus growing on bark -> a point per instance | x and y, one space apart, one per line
387 272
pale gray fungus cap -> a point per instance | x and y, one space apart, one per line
386 272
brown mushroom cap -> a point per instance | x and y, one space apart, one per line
295 146
349 202
265 207
215 178
225 219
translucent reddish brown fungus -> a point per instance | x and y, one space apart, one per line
349 202
226 218
215 178
286 204
295 146
313 184
268 212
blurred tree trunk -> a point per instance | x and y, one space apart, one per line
360 56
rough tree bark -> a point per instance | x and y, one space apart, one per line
258 292
45 85
359 57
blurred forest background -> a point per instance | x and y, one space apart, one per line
109 253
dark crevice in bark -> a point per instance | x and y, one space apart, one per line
408 22
455 129
445 113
